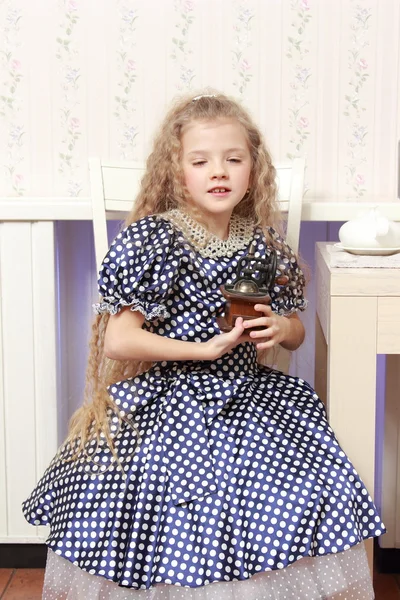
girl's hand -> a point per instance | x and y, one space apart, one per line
277 328
224 342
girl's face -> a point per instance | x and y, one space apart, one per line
216 165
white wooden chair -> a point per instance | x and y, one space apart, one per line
115 185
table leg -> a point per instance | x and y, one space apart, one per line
351 383
321 361
391 454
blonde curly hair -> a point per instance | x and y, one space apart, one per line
162 189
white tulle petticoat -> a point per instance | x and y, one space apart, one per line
343 576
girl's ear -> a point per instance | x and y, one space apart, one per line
251 178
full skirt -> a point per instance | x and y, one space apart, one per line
235 475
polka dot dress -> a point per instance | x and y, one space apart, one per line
231 473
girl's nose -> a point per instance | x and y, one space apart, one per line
218 172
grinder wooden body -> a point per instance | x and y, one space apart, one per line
240 305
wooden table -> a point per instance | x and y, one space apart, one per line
358 317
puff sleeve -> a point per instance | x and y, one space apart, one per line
139 270
288 297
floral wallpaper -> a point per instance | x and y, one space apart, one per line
126 96
298 47
182 50
68 54
243 39
13 129
111 69
355 99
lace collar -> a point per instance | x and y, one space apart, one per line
241 232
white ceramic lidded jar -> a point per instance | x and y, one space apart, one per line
370 230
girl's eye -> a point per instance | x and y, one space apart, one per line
198 163
234 160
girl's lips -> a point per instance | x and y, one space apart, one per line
219 194
219 191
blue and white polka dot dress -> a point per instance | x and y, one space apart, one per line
237 472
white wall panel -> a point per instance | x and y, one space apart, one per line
44 343
19 370
28 347
3 464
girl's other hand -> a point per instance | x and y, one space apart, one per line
277 328
224 342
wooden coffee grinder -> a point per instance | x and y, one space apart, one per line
254 280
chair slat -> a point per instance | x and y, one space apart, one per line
121 183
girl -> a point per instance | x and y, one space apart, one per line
200 474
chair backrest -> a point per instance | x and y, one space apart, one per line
115 185
290 180
113 188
